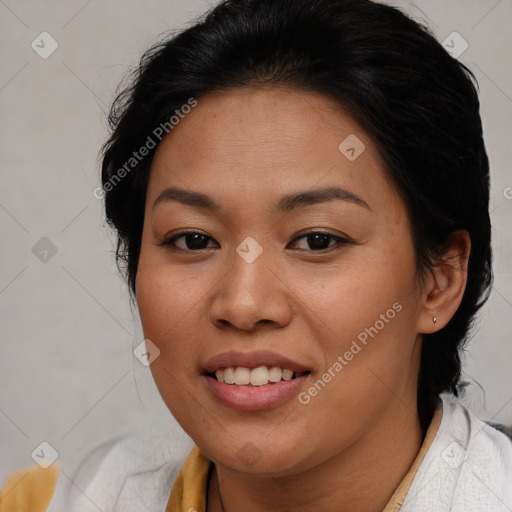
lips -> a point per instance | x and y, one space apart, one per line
250 395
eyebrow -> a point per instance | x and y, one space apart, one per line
285 204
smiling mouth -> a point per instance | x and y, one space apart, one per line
254 377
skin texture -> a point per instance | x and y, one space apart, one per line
351 445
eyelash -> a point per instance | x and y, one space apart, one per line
340 241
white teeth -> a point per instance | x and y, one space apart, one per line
275 373
287 374
260 376
242 376
229 375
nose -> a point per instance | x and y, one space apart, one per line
251 296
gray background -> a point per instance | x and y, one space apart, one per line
67 373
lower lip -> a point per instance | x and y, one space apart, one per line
253 398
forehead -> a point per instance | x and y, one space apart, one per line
247 144
243 123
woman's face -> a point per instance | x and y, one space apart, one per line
254 290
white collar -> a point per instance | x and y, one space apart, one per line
467 468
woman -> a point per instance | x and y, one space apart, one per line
300 191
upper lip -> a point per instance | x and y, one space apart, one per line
252 360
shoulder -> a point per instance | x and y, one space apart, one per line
502 428
29 490
485 449
137 469
467 468
478 437
486 470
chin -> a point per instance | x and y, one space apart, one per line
247 454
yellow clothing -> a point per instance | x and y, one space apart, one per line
190 488
31 490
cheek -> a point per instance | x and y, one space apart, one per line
365 313
352 296
166 299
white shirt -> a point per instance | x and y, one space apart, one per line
467 468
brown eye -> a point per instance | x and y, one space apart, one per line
321 241
193 241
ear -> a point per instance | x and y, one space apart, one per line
444 286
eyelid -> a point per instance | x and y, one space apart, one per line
313 231
168 240
340 240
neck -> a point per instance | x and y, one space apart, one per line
362 477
